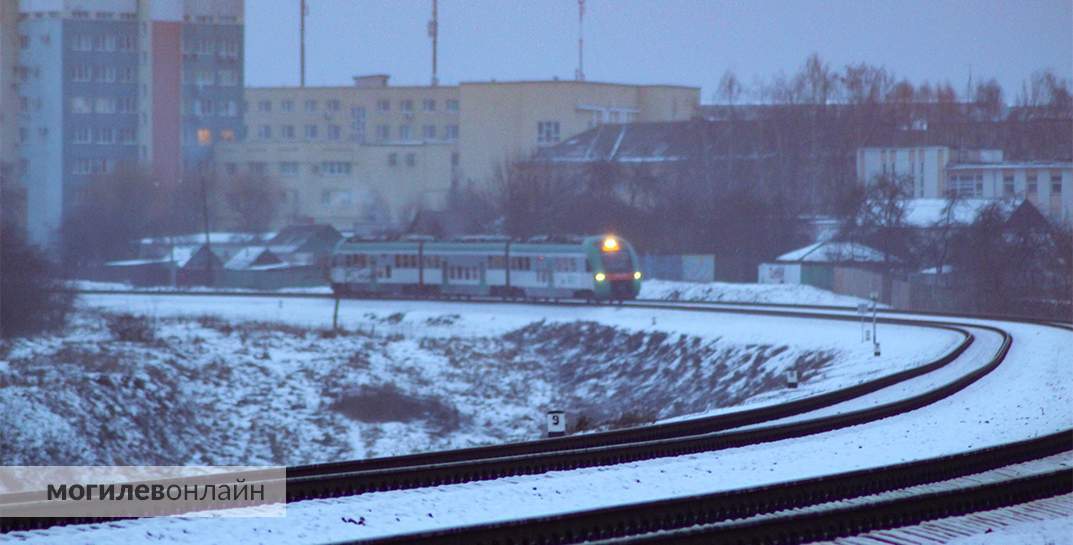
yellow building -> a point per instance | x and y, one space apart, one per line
503 121
366 157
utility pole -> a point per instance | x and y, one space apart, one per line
580 73
205 213
302 43
434 33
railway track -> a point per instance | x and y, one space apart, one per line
705 434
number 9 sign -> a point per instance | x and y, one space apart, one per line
556 423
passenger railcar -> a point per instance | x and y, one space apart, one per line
594 268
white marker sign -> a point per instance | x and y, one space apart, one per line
556 423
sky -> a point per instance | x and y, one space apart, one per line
685 42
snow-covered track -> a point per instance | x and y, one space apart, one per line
685 437
333 481
804 510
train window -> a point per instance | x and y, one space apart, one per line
398 260
496 262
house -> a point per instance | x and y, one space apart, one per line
305 245
181 266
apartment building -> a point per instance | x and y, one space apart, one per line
367 157
939 171
109 82
9 97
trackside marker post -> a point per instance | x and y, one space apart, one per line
556 423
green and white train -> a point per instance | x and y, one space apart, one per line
596 268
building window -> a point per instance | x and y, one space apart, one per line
127 135
450 132
264 105
105 135
392 159
335 168
287 131
227 77
332 105
383 132
429 132
230 168
81 135
334 132
406 105
1007 185
404 132
286 105
454 159
411 159
24 42
126 42
81 72
311 105
383 105
547 132
127 74
227 135
428 105
104 105
311 132
288 168
452 105
256 167
204 137
264 132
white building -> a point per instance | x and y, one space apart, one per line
939 171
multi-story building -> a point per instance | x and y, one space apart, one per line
504 121
9 97
110 82
367 156
939 171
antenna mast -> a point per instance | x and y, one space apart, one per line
434 33
302 43
580 73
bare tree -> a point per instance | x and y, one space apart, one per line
253 199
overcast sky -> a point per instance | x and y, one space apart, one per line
689 42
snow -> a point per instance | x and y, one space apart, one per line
1057 531
1034 380
832 252
725 292
1029 395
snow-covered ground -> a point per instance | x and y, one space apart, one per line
725 292
239 380
1029 395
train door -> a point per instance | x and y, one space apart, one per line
482 272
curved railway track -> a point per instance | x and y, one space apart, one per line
684 437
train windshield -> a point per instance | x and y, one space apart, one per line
617 262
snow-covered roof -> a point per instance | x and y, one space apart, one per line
833 252
250 256
931 212
216 237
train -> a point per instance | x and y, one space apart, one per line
593 268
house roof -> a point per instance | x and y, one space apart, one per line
293 237
833 252
924 213
252 256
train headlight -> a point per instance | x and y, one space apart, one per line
600 277
637 275
610 245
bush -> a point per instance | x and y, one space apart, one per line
32 294
130 328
